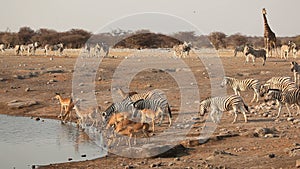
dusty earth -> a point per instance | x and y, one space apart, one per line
29 83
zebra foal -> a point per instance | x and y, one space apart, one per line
242 85
260 53
221 104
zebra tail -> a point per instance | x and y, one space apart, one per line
246 107
169 111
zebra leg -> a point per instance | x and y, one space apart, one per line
279 109
298 109
243 110
212 115
287 107
235 114
161 115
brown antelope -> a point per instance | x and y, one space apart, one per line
116 118
124 95
86 114
131 128
64 104
150 114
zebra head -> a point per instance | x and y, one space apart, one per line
202 110
264 89
247 50
294 66
224 82
272 94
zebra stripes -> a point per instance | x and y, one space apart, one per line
124 106
160 106
242 85
288 98
221 104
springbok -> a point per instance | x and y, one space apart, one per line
64 104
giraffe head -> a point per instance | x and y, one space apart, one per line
264 11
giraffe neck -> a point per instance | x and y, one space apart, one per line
266 25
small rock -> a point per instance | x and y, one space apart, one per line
170 164
177 159
298 163
128 166
265 114
158 164
290 119
271 155
269 135
37 119
70 159
296 121
83 155
2 79
27 89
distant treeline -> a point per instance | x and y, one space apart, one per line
77 38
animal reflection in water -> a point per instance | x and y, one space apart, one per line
71 132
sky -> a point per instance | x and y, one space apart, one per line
163 16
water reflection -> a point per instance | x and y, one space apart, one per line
25 142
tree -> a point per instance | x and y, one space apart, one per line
25 34
188 36
236 40
217 39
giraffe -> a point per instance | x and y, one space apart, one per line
269 35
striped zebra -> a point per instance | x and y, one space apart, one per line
288 98
57 47
279 80
260 53
283 87
182 49
160 106
293 48
281 83
242 85
238 49
123 106
295 68
221 104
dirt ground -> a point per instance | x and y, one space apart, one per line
239 145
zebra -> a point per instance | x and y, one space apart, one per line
239 49
221 104
105 49
293 48
284 51
182 49
242 85
255 54
288 98
279 80
281 83
295 68
58 47
31 48
283 87
123 106
19 49
2 48
160 106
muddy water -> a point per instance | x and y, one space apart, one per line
25 142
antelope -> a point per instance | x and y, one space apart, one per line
85 114
150 114
64 104
131 128
116 118
125 95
